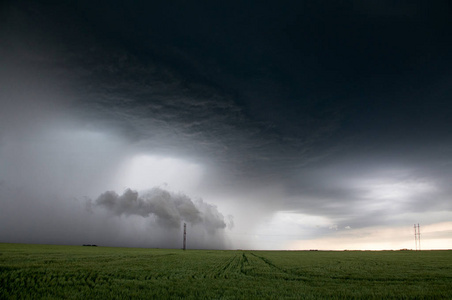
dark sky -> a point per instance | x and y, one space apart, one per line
321 124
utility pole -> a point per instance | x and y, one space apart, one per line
417 237
185 235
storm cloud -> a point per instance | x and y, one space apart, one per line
169 209
303 121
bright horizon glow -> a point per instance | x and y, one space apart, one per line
437 236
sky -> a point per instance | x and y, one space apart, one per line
285 125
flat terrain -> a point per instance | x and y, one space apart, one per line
76 272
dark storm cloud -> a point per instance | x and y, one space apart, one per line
152 90
317 101
299 78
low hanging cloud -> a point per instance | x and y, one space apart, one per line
168 209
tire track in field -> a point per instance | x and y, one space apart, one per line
280 272
232 268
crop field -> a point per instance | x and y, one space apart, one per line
76 272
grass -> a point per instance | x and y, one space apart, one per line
76 272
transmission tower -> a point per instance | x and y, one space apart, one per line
185 235
417 237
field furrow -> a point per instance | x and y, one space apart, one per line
64 272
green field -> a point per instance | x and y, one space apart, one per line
76 272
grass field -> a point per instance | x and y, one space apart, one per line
76 272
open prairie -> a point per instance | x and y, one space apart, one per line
76 272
